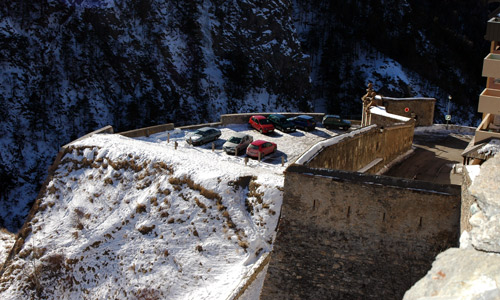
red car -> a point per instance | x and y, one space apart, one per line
261 146
261 124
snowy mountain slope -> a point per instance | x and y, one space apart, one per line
70 67
126 218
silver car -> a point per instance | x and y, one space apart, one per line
238 141
203 136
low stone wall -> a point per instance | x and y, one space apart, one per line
421 109
224 120
346 235
243 118
198 126
356 151
147 131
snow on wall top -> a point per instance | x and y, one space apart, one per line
380 110
403 99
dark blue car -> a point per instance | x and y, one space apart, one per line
304 122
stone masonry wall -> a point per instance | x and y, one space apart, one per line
422 109
354 153
471 271
347 235
384 120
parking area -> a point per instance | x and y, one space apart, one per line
289 145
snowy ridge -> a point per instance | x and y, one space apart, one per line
126 218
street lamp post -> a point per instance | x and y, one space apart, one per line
448 116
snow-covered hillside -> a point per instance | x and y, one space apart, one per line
70 67
124 218
128 218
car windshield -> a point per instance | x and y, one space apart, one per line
264 121
253 147
235 140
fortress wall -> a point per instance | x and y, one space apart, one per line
422 108
352 154
347 235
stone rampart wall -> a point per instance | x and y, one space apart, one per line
354 153
347 235
422 109
384 120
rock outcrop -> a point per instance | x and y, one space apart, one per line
473 270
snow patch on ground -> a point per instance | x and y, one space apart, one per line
473 171
7 240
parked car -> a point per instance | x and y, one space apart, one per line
238 141
335 121
304 122
261 124
203 136
281 122
261 146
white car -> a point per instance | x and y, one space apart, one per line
238 141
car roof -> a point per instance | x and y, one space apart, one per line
238 134
278 115
206 128
259 117
333 116
258 142
305 117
